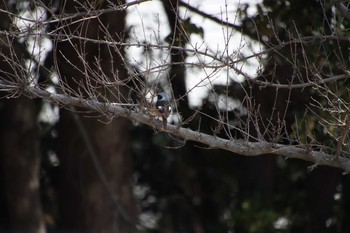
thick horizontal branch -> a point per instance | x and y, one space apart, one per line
236 146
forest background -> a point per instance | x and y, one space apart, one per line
258 139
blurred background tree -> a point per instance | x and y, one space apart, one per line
77 173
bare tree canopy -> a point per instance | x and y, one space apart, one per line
297 72
267 83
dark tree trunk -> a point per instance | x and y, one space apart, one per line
19 140
321 187
177 38
21 164
96 168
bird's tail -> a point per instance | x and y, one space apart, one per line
165 122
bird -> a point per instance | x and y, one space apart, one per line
163 108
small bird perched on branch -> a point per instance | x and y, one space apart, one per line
163 108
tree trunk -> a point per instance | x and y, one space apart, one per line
21 164
96 167
177 38
19 139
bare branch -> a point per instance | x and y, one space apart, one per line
207 16
341 8
260 126
88 14
241 147
300 85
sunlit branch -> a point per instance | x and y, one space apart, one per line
241 147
